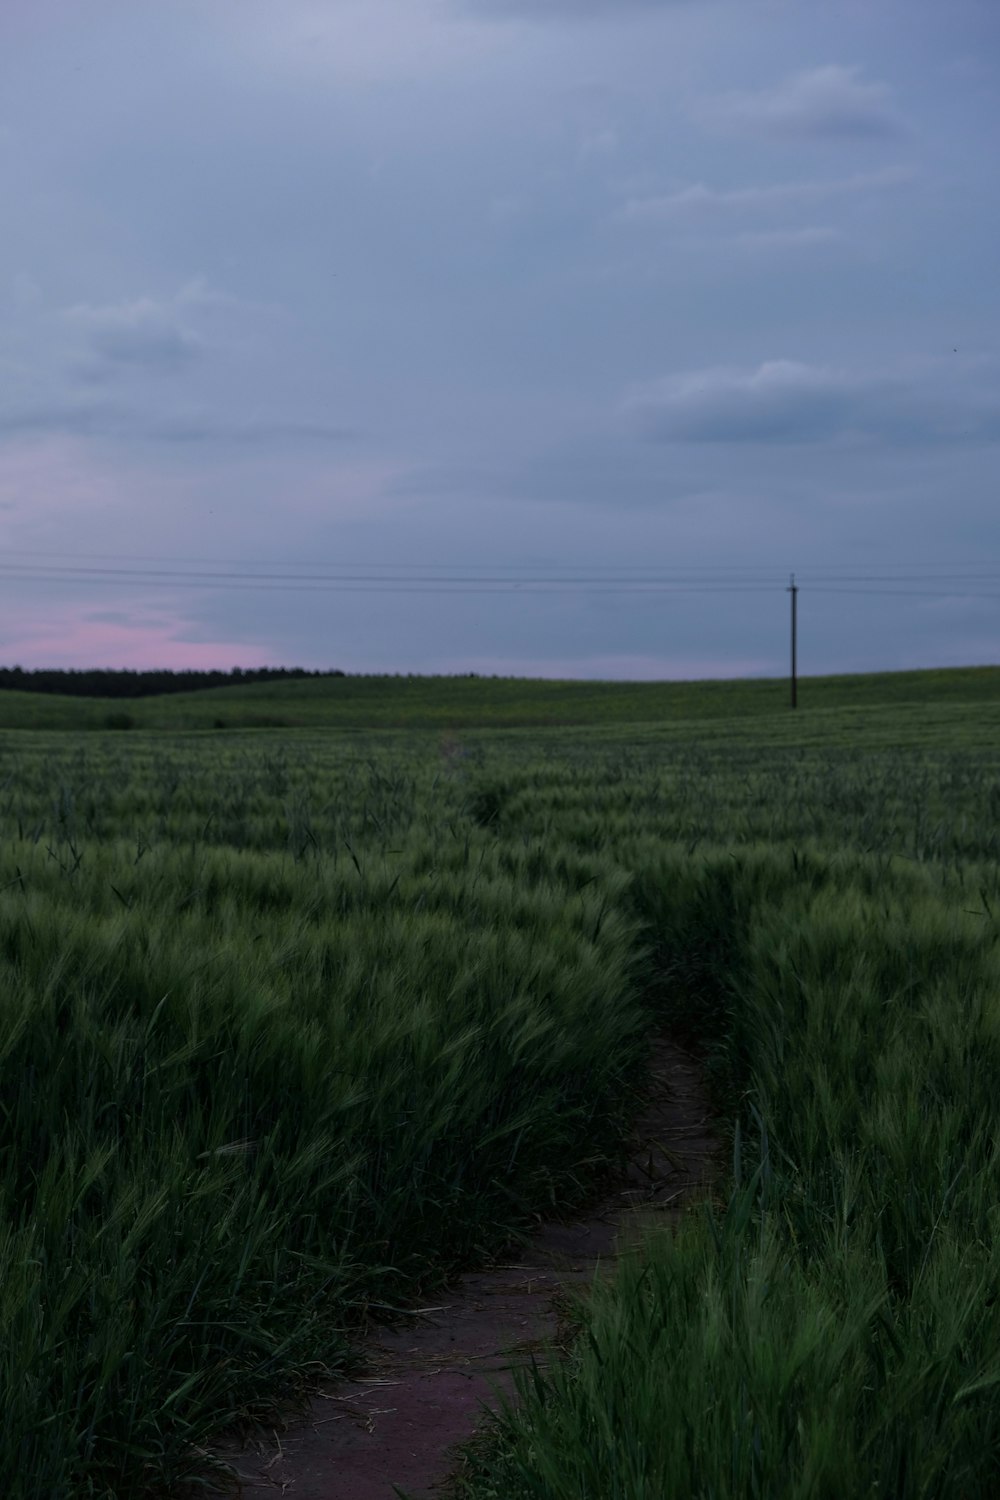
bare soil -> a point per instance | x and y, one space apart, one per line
431 1375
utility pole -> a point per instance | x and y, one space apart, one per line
793 590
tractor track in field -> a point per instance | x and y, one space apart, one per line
430 1375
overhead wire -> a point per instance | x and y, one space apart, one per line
259 583
120 569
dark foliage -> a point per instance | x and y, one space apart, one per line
100 683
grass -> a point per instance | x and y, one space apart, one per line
416 703
831 1326
277 1007
241 1091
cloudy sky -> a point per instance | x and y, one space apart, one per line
534 336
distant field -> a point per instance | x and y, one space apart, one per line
470 702
276 1006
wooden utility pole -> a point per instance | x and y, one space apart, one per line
793 590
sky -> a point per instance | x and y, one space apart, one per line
535 337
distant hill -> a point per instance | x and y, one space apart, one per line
274 699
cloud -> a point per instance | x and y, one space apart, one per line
74 418
206 429
784 401
51 634
827 101
598 145
147 333
767 240
25 291
562 10
697 201
507 208
99 419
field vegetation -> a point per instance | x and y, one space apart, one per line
293 1025
450 703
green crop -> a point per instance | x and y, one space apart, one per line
294 1024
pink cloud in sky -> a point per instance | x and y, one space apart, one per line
62 497
74 636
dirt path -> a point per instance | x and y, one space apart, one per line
431 1376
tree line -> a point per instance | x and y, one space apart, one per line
102 683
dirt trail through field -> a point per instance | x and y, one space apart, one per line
431 1376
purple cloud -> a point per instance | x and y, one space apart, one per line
786 401
144 332
828 101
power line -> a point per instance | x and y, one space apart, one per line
896 578
548 571
173 574
409 566
448 578
818 588
262 583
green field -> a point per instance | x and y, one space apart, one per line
485 702
279 1004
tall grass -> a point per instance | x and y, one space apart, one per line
251 1096
831 1328
289 1030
